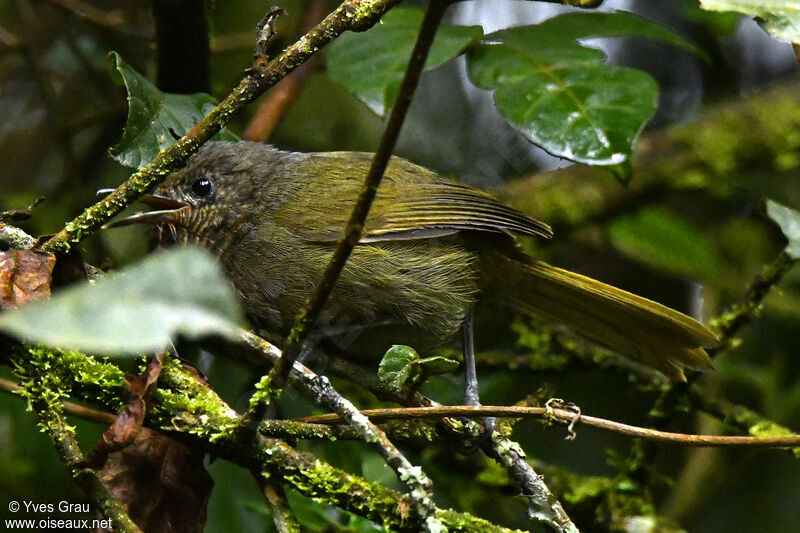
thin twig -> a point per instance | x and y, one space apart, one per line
282 515
113 19
729 324
325 395
70 408
355 224
281 97
351 14
561 415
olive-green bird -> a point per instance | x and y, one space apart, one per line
431 249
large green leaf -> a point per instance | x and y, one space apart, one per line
560 94
371 64
155 117
780 18
789 221
181 291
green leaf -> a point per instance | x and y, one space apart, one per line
561 95
154 117
663 240
789 221
436 365
779 18
402 364
140 309
398 366
371 64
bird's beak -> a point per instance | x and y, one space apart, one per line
167 211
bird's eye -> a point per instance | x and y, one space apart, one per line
202 187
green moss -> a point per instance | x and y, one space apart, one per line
45 389
765 428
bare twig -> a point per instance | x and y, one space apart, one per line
325 395
281 97
70 408
355 225
562 415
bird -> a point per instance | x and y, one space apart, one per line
432 248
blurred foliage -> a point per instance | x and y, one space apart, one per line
688 231
177 292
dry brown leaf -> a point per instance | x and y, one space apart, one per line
24 276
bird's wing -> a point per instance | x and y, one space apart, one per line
412 203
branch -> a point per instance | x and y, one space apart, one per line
269 387
560 415
280 98
729 324
350 15
355 225
324 394
44 392
186 409
282 515
73 409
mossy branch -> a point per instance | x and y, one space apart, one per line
45 392
189 410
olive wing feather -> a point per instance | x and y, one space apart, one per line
412 203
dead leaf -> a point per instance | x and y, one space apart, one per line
161 482
24 276
129 420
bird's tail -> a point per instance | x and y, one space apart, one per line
634 326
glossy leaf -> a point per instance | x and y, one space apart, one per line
154 118
561 95
141 309
789 221
780 18
371 64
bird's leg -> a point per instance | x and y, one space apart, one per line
471 396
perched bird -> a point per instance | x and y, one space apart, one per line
432 248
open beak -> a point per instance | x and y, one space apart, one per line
167 211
